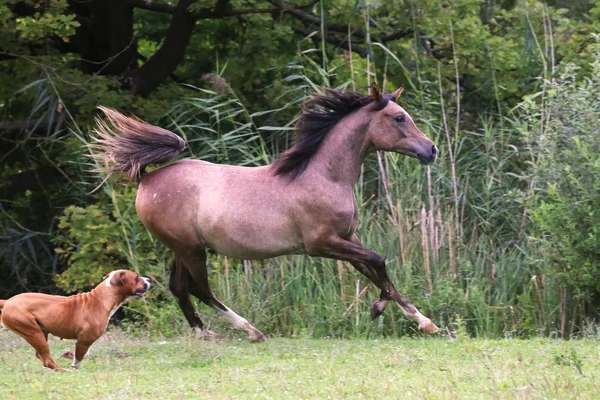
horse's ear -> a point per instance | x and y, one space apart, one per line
375 92
396 95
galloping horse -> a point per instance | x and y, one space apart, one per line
303 203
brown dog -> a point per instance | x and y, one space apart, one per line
83 316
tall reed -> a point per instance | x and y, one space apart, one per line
453 234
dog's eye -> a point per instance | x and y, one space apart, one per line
399 118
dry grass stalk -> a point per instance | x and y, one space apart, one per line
451 249
430 221
340 266
355 302
401 236
563 311
425 245
282 272
226 261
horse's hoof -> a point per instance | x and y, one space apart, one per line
256 337
377 307
429 328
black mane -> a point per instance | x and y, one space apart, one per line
320 113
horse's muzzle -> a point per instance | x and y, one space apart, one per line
429 156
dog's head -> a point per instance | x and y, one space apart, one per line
128 282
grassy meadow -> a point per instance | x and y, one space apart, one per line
422 368
497 242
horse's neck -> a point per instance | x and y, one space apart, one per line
341 155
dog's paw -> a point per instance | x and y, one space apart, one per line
68 354
205 334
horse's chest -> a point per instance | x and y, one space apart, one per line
341 213
353 217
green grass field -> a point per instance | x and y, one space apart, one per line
122 367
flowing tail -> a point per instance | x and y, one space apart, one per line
127 145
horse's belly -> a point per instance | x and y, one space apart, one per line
251 236
253 246
252 252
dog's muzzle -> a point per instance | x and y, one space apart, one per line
141 292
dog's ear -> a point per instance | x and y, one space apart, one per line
118 279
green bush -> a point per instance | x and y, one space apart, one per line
566 213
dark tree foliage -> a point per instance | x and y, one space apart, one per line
61 59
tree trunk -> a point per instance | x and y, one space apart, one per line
145 79
106 40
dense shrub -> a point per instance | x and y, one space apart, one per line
568 180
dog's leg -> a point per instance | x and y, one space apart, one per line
27 327
81 349
36 352
40 344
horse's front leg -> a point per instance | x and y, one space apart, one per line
372 265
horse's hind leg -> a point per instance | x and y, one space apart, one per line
240 323
180 284
196 265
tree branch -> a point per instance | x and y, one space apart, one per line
152 73
307 17
396 35
150 6
211 13
343 43
358 35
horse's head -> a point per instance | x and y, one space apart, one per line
393 129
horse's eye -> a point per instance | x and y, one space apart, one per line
399 118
